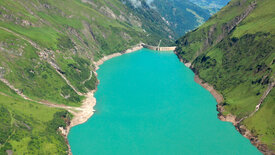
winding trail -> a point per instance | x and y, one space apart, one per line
18 35
14 89
40 102
268 90
86 110
81 114
89 78
67 81
49 60
232 118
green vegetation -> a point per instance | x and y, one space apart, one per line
47 50
30 128
68 35
35 78
235 53
262 123
41 39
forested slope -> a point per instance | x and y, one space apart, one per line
182 16
235 52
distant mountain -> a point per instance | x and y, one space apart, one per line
212 5
235 52
181 15
151 21
47 54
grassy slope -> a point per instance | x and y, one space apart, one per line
70 34
35 78
241 65
262 123
29 128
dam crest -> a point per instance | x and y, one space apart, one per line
159 48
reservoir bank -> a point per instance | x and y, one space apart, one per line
149 103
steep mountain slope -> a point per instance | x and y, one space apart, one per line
47 50
41 40
152 21
28 127
234 52
182 16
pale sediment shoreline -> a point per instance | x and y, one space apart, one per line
83 113
87 109
229 117
233 119
218 96
105 58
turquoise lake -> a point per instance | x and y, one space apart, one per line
149 103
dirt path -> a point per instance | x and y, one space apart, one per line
68 82
81 113
89 78
86 110
269 88
231 118
54 65
18 35
14 89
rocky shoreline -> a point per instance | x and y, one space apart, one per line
233 119
90 102
229 117
86 110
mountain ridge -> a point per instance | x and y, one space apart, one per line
47 52
47 49
234 52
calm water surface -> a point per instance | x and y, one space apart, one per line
148 103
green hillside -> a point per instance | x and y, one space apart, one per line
30 128
39 37
47 50
234 52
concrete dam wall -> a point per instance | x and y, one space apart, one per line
156 48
